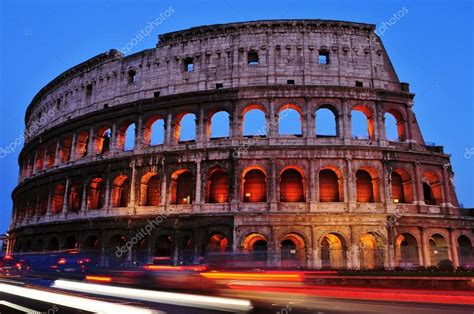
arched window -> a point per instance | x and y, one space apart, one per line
50 155
291 186
65 149
163 246
219 127
362 122
255 186
217 243
465 251
157 136
406 251
129 143
326 123
186 128
438 249
70 243
289 121
254 122
182 187
365 189
120 191
95 195
394 126
82 142
75 196
150 189
257 245
371 254
431 188
329 186
39 158
398 195
58 198
102 141
218 187
333 251
43 197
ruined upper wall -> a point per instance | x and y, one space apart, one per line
287 50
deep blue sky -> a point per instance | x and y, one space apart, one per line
431 47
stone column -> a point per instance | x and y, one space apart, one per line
380 120
198 182
73 147
139 134
133 183
346 123
354 261
272 121
107 192
419 197
310 131
312 180
164 182
90 146
50 199
84 195
56 153
66 193
169 130
426 248
350 186
453 245
201 135
409 127
273 187
446 187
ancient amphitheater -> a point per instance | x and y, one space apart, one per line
106 167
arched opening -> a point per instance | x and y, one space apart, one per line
182 187
129 142
362 122
406 251
254 122
366 186
39 158
185 128
53 244
218 186
154 131
371 252
32 203
394 126
115 243
96 194
82 141
163 246
401 186
150 189
39 246
58 198
75 196
43 198
333 251
326 122
292 186
120 191
465 252
256 244
65 145
255 186
289 121
330 186
70 243
293 254
431 188
50 154
102 140
217 243
219 125
92 242
438 249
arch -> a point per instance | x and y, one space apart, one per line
333 251
218 186
331 187
362 122
432 191
154 131
438 249
185 127
367 186
394 125
326 121
82 143
92 242
39 245
401 186
164 246
102 140
43 198
96 193
371 253
182 187
115 242
290 121
65 145
292 186
53 244
150 189
50 154
75 196
254 121
129 137
57 201
465 252
217 243
257 245
120 191
254 185
293 251
39 158
219 125
70 243
406 251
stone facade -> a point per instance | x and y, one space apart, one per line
298 201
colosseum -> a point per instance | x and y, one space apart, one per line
178 151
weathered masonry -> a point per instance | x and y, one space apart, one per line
193 130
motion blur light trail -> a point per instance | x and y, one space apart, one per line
190 300
74 302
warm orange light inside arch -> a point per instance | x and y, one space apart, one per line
370 119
